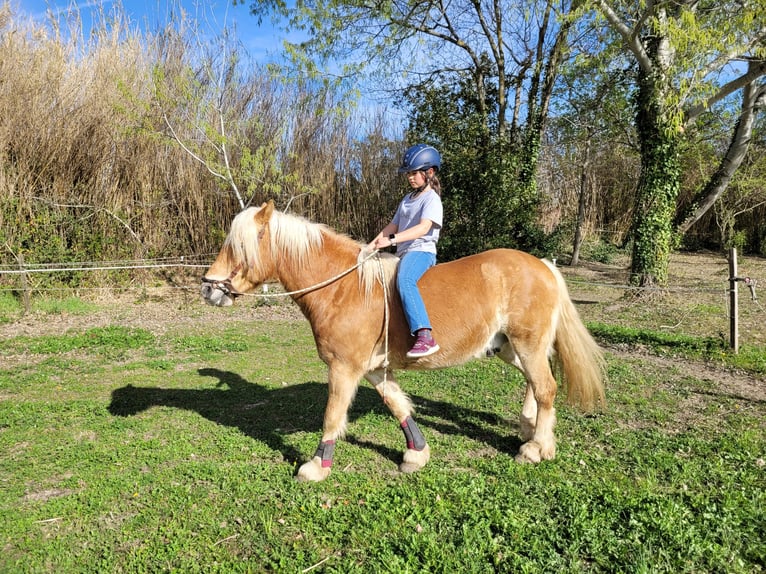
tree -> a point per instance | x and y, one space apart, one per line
502 57
591 126
690 55
753 100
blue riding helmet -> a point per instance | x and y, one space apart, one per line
420 157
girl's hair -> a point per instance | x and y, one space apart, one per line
435 184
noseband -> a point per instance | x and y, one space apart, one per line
225 284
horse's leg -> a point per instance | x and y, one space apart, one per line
538 417
342 386
528 419
418 453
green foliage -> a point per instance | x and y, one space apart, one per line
139 462
69 305
487 201
600 250
615 334
99 339
658 189
713 349
9 306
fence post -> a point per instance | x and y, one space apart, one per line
24 285
733 301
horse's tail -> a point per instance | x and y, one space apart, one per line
578 356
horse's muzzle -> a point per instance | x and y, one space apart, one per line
215 296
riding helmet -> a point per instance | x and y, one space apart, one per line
420 157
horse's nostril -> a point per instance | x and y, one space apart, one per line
206 290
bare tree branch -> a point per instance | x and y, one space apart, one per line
755 70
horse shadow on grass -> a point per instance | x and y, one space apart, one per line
270 414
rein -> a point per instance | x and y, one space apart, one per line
227 287
385 329
324 283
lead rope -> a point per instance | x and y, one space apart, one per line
318 285
385 328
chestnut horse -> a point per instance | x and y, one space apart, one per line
501 302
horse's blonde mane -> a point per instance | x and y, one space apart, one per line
291 235
297 238
376 270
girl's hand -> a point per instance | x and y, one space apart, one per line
381 242
372 245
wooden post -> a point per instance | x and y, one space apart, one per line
733 301
24 286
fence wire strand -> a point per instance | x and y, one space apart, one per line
203 261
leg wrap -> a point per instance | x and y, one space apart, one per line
325 452
413 436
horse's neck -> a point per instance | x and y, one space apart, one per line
326 262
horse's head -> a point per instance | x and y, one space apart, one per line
244 261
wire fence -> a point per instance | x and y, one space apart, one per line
717 286
204 261
193 262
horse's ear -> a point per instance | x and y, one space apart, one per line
263 215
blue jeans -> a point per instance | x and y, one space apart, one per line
411 268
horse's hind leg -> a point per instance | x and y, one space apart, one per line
418 452
342 386
528 419
538 415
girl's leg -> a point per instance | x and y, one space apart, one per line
411 268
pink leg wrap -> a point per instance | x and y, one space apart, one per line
413 436
325 452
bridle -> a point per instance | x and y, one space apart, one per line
228 289
225 284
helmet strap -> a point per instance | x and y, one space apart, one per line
426 184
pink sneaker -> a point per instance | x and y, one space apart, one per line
423 347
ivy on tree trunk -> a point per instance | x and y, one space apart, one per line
659 182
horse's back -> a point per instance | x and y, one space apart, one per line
504 272
498 293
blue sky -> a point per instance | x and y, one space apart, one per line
262 42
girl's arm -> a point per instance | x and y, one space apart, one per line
381 239
414 232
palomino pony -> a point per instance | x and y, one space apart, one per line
501 302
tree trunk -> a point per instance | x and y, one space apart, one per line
583 195
659 181
719 182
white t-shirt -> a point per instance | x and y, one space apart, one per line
411 210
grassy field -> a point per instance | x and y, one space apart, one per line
134 441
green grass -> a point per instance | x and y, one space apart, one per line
124 451
716 350
11 308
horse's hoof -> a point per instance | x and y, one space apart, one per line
414 460
532 452
529 453
312 471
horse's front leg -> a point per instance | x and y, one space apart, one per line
342 385
418 452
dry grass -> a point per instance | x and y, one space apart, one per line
127 145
